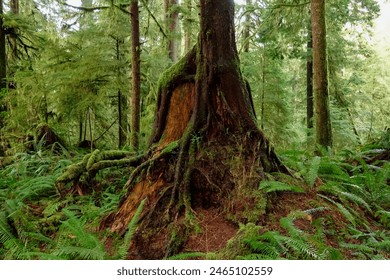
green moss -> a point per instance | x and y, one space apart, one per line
248 205
177 72
237 245
114 154
73 172
170 147
95 157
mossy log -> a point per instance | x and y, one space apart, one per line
92 163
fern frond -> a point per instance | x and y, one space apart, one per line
76 242
259 257
356 199
312 172
188 256
346 213
13 245
76 252
301 247
382 245
123 249
266 250
36 187
275 186
288 224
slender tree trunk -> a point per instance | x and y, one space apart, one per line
188 26
309 83
135 99
14 5
80 128
172 24
3 59
3 73
262 91
247 26
122 123
321 95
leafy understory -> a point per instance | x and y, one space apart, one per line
344 213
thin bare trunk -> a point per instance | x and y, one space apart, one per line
14 5
321 94
309 83
172 24
135 100
247 26
122 123
3 60
188 26
3 68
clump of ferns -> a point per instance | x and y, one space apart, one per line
366 188
367 244
294 244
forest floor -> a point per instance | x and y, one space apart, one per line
340 210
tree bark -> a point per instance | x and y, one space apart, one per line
122 118
14 5
135 100
172 24
309 83
187 26
3 59
247 26
321 95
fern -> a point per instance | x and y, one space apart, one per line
75 242
312 172
274 186
36 188
302 248
188 256
15 248
123 249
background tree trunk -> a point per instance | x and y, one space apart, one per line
135 99
187 24
14 5
122 112
3 59
172 24
247 26
321 95
3 71
309 83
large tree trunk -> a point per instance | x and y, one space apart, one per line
320 70
206 149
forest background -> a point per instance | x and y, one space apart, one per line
68 91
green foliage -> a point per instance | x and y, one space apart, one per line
275 186
36 222
123 249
